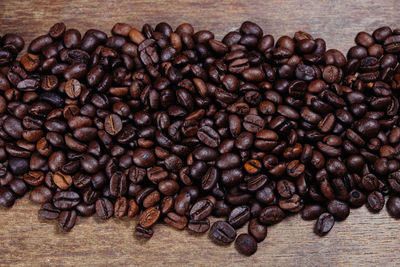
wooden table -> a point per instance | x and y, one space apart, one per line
364 239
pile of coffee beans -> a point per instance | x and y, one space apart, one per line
173 126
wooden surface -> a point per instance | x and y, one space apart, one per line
364 239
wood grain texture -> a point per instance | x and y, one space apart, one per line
364 239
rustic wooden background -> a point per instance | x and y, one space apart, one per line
364 239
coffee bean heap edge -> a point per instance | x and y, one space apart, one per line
175 126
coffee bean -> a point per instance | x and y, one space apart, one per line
64 200
120 207
34 178
176 126
201 209
340 210
312 211
73 88
393 206
67 220
49 212
63 181
41 194
239 216
222 232
143 232
149 217
324 224
246 244
118 184
208 136
18 166
7 197
375 201
18 186
175 220
113 124
143 157
104 208
257 230
201 226
271 215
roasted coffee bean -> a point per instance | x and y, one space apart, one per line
149 217
246 244
67 220
66 200
113 124
239 216
201 226
222 232
73 88
340 210
118 184
257 230
201 210
271 215
104 208
18 166
357 198
175 220
312 212
143 232
375 201
176 126
34 178
7 197
133 208
393 206
62 181
143 157
324 224
49 212
41 194
120 207
18 186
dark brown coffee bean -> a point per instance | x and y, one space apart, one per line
223 232
271 215
324 224
208 136
312 211
118 184
357 198
104 208
246 244
201 226
7 197
257 230
239 216
201 210
41 194
49 212
143 157
375 201
340 210
393 206
64 200
67 220
143 232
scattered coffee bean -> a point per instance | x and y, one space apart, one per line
175 126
